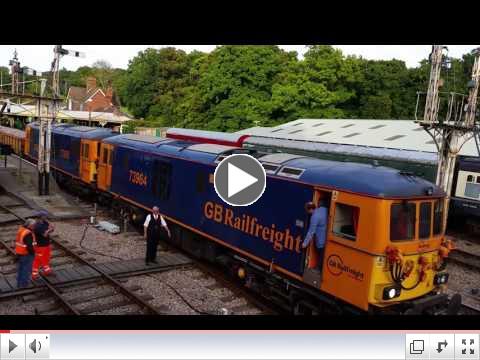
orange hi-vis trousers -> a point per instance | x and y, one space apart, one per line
42 260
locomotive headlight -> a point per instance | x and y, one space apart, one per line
391 292
440 278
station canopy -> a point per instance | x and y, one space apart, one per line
401 138
100 117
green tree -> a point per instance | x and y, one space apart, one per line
234 86
155 83
315 87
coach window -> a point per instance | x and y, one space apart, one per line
470 178
345 223
472 189
402 221
438 217
425 220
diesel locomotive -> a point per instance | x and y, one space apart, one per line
385 250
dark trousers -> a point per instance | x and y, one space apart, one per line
24 270
321 256
152 244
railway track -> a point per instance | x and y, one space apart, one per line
104 295
465 258
108 286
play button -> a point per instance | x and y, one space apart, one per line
11 346
239 180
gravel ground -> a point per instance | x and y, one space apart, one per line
16 307
201 291
462 278
194 289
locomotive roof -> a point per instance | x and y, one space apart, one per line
83 132
12 132
367 179
469 164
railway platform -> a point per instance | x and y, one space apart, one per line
23 185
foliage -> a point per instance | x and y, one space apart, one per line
236 87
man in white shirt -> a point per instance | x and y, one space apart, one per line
155 228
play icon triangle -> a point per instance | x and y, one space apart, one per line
238 180
11 346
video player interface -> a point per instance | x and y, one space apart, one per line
236 345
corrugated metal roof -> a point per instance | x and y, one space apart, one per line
354 150
392 134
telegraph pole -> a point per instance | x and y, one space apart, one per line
15 69
431 103
46 123
452 132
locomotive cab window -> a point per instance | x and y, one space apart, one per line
470 178
345 223
425 220
402 221
438 217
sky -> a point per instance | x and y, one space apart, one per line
39 57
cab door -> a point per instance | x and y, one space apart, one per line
312 273
85 161
105 167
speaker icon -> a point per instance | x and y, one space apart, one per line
35 346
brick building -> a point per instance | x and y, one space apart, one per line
92 98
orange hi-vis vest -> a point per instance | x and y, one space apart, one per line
20 246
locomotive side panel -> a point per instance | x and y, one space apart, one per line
66 153
185 193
